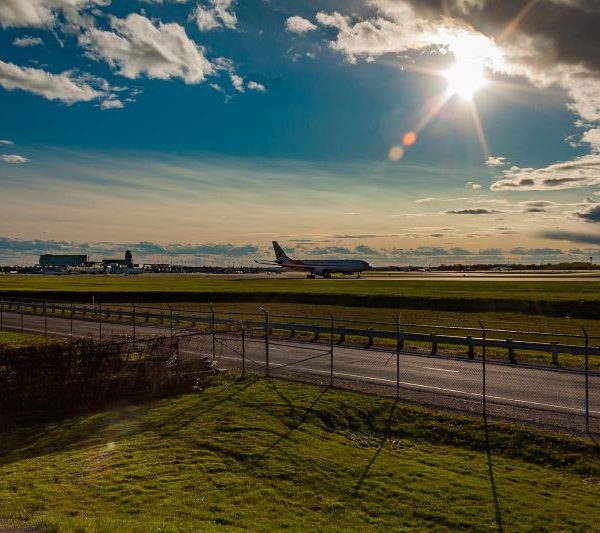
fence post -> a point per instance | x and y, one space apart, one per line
243 350
483 368
22 327
133 317
266 341
511 351
587 381
370 337
1 314
554 350
342 338
212 331
171 327
398 349
471 348
71 330
46 319
434 344
331 349
100 322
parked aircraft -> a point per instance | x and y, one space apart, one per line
317 267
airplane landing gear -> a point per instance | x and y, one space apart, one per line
326 275
310 276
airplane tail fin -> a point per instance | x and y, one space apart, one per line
280 254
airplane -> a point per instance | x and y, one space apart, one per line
316 267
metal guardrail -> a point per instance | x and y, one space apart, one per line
292 328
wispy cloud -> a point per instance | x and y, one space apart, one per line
13 158
472 211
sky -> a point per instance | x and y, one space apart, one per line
396 131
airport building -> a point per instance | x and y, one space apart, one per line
51 260
127 262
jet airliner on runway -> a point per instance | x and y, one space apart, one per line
317 267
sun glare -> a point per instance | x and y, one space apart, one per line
465 78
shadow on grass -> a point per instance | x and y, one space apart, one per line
490 465
203 408
295 426
28 442
384 438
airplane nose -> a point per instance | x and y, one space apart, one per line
368 265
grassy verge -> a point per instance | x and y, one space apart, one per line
266 455
11 339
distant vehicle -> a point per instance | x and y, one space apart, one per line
317 267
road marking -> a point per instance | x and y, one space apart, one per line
440 369
408 384
418 385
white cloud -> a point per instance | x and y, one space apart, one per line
237 82
64 87
136 46
255 86
425 200
472 185
582 171
42 13
493 161
299 25
4 141
28 41
219 14
592 137
13 158
111 103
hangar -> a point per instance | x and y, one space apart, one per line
51 260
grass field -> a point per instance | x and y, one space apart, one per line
11 339
516 290
366 316
268 455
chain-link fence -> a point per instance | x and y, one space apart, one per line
548 379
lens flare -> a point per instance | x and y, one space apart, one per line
396 153
409 138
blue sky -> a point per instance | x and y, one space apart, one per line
206 129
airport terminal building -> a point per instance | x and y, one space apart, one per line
51 260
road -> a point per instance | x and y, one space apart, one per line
545 396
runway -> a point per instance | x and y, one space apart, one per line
487 276
545 396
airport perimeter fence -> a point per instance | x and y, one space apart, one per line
542 378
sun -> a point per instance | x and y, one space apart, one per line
464 78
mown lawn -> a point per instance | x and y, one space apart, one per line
157 283
268 455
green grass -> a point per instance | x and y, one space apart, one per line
517 290
365 316
267 455
11 339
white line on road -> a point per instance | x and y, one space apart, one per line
440 369
418 385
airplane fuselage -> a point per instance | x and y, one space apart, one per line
324 267
317 267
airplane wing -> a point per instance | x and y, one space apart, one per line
272 263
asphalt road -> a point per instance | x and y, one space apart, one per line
545 396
